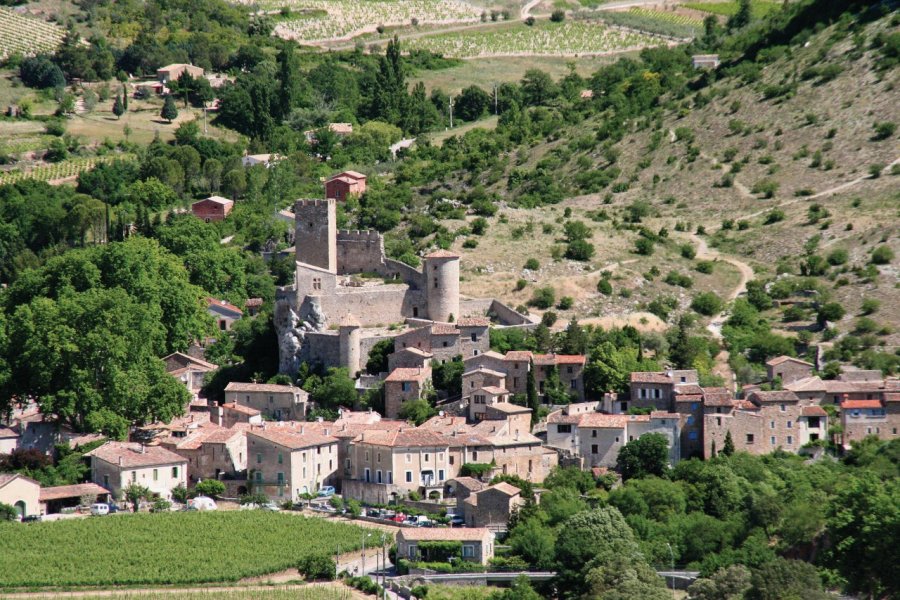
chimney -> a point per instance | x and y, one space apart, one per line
143 449
120 461
302 429
319 419
440 413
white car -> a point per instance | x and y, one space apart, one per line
202 503
99 509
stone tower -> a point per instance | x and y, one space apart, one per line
441 274
349 338
315 223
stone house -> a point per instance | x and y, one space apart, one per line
409 358
214 208
596 438
224 313
266 160
115 465
788 369
462 488
231 413
9 440
20 492
189 370
404 385
279 402
491 507
386 465
172 72
345 184
213 453
474 336
568 367
705 61
286 461
477 543
657 390
480 399
861 418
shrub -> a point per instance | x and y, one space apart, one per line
520 284
317 566
532 264
604 287
479 225
875 170
470 243
688 251
766 187
543 298
676 278
705 267
548 319
529 21
882 255
774 216
644 246
707 303
883 130
865 325
838 256
565 303
558 16
579 250
869 306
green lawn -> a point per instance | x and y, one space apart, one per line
167 548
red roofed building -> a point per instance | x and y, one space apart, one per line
345 184
115 465
214 208
223 312
287 460
862 418
404 385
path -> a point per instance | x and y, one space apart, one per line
526 10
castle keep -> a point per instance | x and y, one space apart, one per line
347 295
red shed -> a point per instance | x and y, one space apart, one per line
214 208
344 184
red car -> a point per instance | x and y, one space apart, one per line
398 518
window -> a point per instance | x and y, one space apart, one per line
378 457
445 344
594 449
515 382
771 424
474 337
317 283
790 440
814 422
475 455
368 475
569 369
408 457
690 420
440 474
749 438
692 435
683 379
280 478
435 282
564 429
790 424
106 477
347 464
409 477
656 393
271 399
155 475
259 459
415 311
390 477
593 433
426 457
718 421
280 459
411 552
440 456
643 393
617 439
258 477
772 440
405 386
378 476
574 384
783 408
175 472
693 406
468 551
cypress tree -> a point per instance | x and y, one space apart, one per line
118 108
728 446
169 110
531 395
125 96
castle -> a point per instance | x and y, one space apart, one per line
347 295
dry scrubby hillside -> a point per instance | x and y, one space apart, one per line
805 125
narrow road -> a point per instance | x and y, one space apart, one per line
526 10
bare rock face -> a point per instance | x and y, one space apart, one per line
290 338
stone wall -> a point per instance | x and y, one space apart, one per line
372 306
360 252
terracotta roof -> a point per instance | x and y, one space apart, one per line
6 432
444 329
474 322
71 491
436 534
659 414
217 200
688 397
486 371
253 302
506 488
240 408
470 483
587 94
132 456
442 254
861 404
745 405
407 374
603 421
407 438
198 362
240 386
850 387
717 397
688 388
570 359
342 128
562 419
510 408
892 396
807 384
416 351
445 422
519 355
813 411
773 396
650 377
210 302
6 478
494 390
783 359
292 438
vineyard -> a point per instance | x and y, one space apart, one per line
544 39
655 21
166 548
759 8
20 34
60 170
311 592
331 20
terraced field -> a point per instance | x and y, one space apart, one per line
21 34
759 8
574 38
335 20
655 21
60 170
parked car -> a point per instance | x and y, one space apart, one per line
397 518
419 521
113 508
326 491
202 503
457 521
99 509
270 506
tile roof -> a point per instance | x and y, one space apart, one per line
191 360
253 302
807 384
506 488
343 128
861 404
444 329
563 419
850 387
416 351
474 322
132 455
773 396
442 254
211 302
717 397
71 491
408 374
240 386
240 408
892 396
519 355
217 200
436 534
406 438
650 377
485 371
443 422
470 483
688 388
813 411
604 421
783 359
494 390
659 414
295 439
570 359
509 408
6 478
6 432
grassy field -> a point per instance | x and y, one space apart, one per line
484 72
311 592
67 169
21 34
439 137
759 8
655 21
572 38
169 548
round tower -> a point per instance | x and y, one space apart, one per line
441 273
348 342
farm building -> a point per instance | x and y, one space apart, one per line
345 184
173 72
214 208
223 312
705 61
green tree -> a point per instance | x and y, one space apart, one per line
728 446
730 583
519 590
8 513
209 487
535 542
378 357
336 389
317 567
169 111
782 578
609 368
134 493
118 108
742 17
532 397
417 411
645 456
